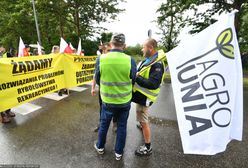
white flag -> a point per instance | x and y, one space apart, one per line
21 48
39 48
207 85
79 49
63 45
71 46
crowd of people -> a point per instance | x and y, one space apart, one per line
120 82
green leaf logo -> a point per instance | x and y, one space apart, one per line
223 43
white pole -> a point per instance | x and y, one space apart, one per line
36 23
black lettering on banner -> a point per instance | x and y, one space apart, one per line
187 80
195 107
30 65
50 75
35 86
218 124
88 66
212 81
17 83
205 124
23 67
206 65
193 97
36 93
84 79
84 59
84 73
225 96
189 95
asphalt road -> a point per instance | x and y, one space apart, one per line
60 135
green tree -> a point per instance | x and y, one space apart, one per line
201 20
69 19
105 37
16 20
170 22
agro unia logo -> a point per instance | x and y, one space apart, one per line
203 90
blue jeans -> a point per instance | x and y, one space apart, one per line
121 114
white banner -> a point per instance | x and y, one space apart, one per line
207 84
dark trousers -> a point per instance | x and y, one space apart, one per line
100 104
121 115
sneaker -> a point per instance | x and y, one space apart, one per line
60 93
10 114
66 91
100 151
5 119
118 156
143 151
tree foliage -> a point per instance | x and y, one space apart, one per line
202 19
170 22
69 19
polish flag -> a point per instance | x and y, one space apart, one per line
22 51
68 50
64 47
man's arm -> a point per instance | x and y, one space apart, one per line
133 70
97 71
155 77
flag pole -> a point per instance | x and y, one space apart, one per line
36 23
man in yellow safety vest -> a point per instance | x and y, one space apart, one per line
115 74
146 89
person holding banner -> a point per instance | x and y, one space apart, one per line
146 89
115 74
7 115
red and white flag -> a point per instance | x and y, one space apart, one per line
64 47
68 50
22 51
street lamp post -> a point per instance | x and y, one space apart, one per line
36 23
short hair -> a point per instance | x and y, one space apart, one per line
27 46
118 39
152 42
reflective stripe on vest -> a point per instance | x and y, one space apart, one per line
151 94
147 91
115 82
116 95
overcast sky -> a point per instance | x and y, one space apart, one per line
136 20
